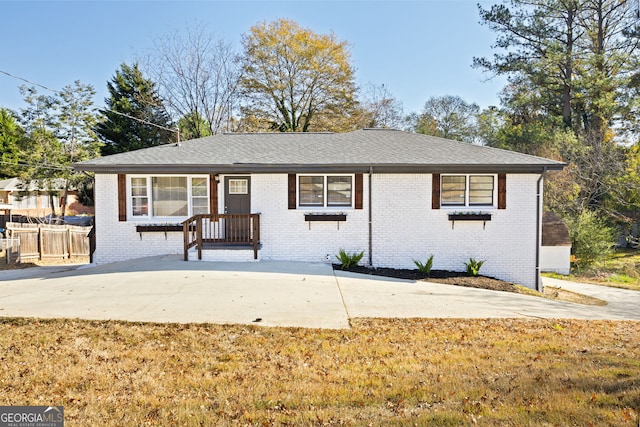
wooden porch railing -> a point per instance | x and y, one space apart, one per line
221 230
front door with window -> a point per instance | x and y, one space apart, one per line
237 200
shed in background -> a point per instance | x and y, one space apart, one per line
556 245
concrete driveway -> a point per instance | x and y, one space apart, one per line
167 289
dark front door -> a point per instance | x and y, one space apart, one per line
237 200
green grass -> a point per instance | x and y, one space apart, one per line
621 269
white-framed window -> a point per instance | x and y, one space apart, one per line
168 196
325 190
139 197
199 195
238 186
468 190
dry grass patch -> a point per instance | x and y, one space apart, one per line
574 297
34 262
391 372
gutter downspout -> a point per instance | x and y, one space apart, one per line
539 286
370 219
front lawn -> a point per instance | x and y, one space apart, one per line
524 372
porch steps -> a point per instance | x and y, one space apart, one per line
224 253
224 237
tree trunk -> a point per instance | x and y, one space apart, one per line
568 69
63 206
53 205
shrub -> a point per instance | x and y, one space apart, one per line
473 267
348 260
426 267
591 238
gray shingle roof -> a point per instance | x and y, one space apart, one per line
16 184
383 149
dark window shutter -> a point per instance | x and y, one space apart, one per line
292 191
213 195
502 191
358 191
435 191
122 197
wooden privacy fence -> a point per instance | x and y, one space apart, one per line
10 248
44 241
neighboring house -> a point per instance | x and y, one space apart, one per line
397 196
556 245
27 199
5 216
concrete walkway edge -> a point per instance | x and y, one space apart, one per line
272 293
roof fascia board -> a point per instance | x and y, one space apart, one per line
334 168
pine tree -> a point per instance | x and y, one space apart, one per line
11 137
193 126
571 66
134 95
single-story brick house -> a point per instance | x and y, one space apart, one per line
395 195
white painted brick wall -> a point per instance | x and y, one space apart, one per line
285 235
404 228
119 241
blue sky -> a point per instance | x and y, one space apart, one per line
418 49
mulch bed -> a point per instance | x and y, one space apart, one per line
439 276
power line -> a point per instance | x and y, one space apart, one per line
176 130
38 166
28 81
62 167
